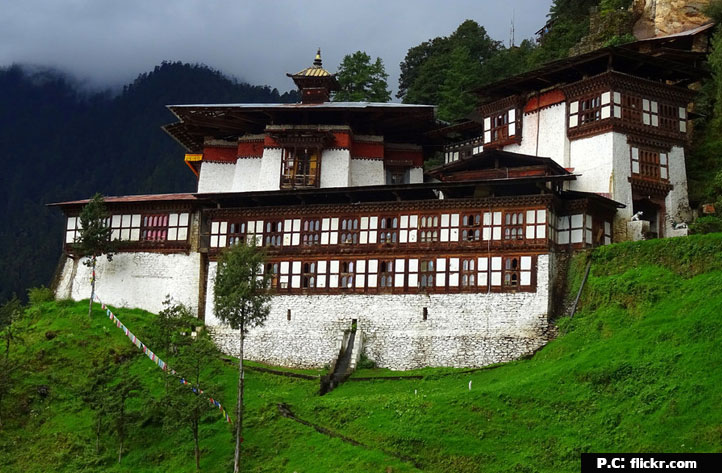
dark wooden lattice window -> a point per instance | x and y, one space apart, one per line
471 227
386 273
428 228
347 275
348 232
426 273
308 275
272 271
511 272
388 231
468 273
514 226
236 233
311 232
501 126
273 236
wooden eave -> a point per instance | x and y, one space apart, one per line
396 123
573 69
498 159
373 194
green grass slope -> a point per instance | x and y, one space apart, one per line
637 369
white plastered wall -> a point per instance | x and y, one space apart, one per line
216 177
246 175
135 280
367 172
335 168
552 138
593 160
269 177
416 175
461 329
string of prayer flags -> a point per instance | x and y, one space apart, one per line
155 359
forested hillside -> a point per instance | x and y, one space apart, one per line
58 143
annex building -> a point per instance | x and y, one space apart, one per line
452 266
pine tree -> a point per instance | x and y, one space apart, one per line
94 239
361 80
241 300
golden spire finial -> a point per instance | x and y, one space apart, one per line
317 61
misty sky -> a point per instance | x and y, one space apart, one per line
109 42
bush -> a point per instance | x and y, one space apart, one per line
38 295
708 224
364 363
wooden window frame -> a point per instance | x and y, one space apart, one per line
502 127
300 169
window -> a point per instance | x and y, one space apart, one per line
347 275
682 119
593 108
514 226
127 227
272 269
369 232
300 167
388 229
500 127
309 275
396 175
536 224
650 112
428 228
236 233
649 164
449 228
311 234
153 227
349 231
491 226
408 225
386 273
292 232
468 273
570 229
72 229
274 233
329 231
511 272
426 273
471 227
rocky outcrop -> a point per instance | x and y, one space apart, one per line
663 17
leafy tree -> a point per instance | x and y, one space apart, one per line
94 239
187 406
361 80
241 300
7 381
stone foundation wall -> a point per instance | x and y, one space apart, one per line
461 330
134 280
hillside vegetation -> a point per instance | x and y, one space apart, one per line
637 369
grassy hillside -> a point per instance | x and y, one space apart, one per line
637 369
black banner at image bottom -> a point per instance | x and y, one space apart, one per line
651 462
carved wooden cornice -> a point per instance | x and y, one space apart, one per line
644 186
416 207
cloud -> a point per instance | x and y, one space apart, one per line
109 42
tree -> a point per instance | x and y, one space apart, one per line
362 81
427 66
241 300
94 239
187 406
10 312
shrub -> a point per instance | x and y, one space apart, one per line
708 224
365 363
38 295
